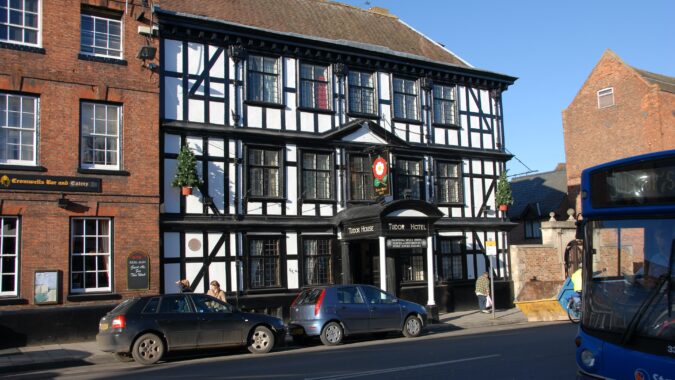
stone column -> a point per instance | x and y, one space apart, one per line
383 264
430 272
346 267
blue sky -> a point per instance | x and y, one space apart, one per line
551 46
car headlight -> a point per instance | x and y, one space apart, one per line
587 358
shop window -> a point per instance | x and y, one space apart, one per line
90 255
100 131
409 179
360 178
18 129
317 180
405 99
532 229
9 256
19 22
264 262
317 259
100 36
314 86
263 79
412 265
445 112
448 182
451 257
361 93
264 167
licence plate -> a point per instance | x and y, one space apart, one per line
102 326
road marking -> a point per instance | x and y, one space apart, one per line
399 369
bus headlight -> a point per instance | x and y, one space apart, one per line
587 358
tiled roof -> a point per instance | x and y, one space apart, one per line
320 18
544 192
664 82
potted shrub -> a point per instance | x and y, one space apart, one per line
504 197
186 174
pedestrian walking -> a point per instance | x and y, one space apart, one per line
483 291
215 291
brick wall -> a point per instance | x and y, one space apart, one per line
130 197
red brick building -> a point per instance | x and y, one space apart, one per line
79 155
620 111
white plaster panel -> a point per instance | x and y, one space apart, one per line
467 187
291 153
476 122
234 276
306 121
326 210
385 92
171 275
196 110
364 135
273 118
273 208
191 271
254 116
290 72
171 194
194 244
439 136
400 130
477 193
232 186
386 116
415 133
461 98
292 202
232 144
455 212
231 102
173 98
445 211
254 208
195 58
324 123
291 243
488 142
217 185
200 89
308 209
231 68
485 101
173 56
217 90
213 239
475 167
171 143
233 244
218 69
171 244
292 274
217 272
489 168
473 106
453 137
290 120
216 147
193 202
469 267
196 145
475 140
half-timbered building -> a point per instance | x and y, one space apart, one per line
335 145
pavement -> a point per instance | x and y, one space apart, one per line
64 355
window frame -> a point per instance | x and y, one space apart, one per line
440 254
17 256
439 184
120 124
279 258
366 175
532 229
84 271
280 178
330 171
313 81
278 79
38 29
108 19
455 119
330 242
406 95
397 178
4 127
361 88
609 92
410 255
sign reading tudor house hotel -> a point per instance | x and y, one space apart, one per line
387 228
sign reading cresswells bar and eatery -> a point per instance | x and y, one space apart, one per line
49 183
381 176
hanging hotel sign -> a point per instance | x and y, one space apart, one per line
406 243
381 176
49 183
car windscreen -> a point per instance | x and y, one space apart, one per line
309 296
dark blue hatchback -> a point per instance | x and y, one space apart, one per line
336 311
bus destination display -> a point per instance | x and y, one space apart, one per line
635 184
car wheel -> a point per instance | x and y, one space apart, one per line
261 340
332 334
122 357
148 349
412 327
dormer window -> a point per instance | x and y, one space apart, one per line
606 97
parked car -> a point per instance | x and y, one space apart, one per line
144 328
334 312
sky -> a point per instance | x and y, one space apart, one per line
550 46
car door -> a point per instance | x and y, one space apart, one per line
178 321
385 311
219 325
351 308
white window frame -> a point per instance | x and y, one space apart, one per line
7 24
118 155
108 20
609 91
16 254
74 255
5 128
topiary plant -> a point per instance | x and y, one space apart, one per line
503 197
186 172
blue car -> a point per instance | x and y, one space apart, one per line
333 312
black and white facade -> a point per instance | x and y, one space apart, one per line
285 129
